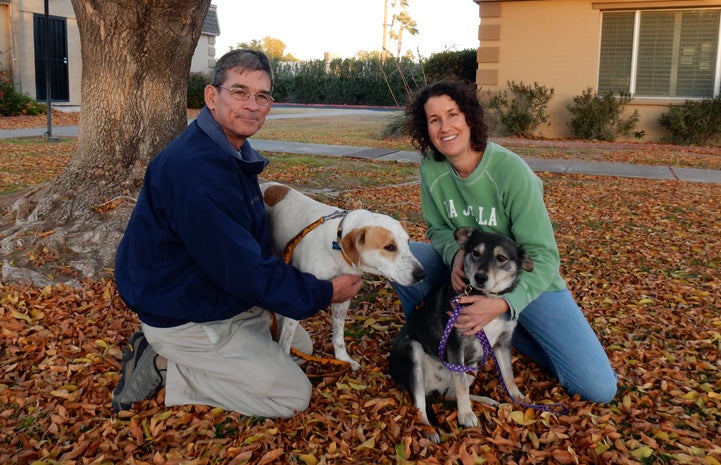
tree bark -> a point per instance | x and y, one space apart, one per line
136 58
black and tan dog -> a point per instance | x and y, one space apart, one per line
491 264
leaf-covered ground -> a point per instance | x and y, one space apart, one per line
641 256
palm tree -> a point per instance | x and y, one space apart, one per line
405 22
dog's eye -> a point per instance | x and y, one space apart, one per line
475 254
391 248
501 258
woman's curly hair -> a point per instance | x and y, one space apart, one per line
465 95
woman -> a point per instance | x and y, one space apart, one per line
468 181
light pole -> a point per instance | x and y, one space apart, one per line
48 82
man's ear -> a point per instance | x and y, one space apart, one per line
210 93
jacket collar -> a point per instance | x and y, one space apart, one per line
249 159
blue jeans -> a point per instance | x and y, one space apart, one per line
552 331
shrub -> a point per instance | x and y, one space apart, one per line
347 81
460 64
695 122
523 111
196 89
395 128
596 116
13 103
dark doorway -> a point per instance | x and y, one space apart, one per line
56 56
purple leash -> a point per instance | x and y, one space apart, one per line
487 349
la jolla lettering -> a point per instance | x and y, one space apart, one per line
476 212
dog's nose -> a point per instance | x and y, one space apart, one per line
419 274
480 277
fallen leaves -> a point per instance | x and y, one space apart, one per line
641 257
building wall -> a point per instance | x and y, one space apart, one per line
19 42
5 42
23 44
556 47
557 44
204 55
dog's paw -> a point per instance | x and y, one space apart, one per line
434 437
484 400
516 394
343 355
355 366
467 419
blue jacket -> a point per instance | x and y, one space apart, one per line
197 246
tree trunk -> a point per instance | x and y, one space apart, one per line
136 63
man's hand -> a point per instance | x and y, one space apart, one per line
479 310
345 287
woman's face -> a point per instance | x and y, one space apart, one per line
447 127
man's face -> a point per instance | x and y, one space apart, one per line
239 119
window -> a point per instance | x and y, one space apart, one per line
660 53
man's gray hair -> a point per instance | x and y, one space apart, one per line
250 60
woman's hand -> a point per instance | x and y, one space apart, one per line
458 277
479 310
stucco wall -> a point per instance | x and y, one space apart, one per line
558 48
557 44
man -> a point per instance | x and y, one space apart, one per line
195 264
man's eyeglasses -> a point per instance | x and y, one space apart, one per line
242 95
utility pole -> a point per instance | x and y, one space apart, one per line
385 31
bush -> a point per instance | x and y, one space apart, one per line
461 64
523 112
695 122
395 128
13 103
595 116
196 89
348 81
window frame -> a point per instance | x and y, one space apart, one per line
633 75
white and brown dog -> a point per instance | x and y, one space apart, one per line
327 241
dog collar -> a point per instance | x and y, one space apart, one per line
290 247
335 245
470 290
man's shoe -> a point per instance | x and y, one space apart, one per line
140 379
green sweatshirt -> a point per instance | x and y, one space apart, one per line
502 196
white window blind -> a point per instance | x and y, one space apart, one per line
674 52
616 52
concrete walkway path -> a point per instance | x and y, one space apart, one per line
536 164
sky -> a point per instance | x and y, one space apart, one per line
309 28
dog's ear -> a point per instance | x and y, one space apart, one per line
526 261
274 194
463 234
350 244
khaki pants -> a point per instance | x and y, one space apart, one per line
233 364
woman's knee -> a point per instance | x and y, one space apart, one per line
595 382
601 391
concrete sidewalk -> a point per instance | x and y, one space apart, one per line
539 165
